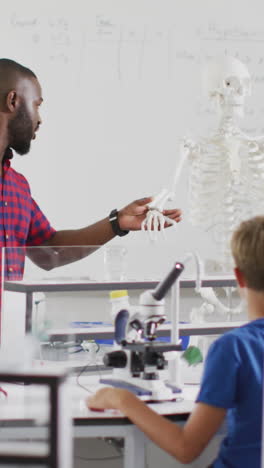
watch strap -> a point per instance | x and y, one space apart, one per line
113 218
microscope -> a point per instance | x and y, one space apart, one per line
139 362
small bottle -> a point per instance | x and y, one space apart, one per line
120 301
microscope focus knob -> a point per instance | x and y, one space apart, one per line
115 359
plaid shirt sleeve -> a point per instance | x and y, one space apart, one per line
40 229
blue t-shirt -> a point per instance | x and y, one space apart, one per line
232 379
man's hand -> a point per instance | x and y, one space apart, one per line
131 216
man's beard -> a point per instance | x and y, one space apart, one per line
20 131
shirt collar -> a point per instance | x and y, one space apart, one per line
6 159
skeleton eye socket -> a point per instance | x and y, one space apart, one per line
232 82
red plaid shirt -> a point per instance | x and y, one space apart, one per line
22 223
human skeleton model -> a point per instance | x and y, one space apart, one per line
226 168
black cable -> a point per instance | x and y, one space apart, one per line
84 369
78 377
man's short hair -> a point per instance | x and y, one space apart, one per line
247 247
10 67
10 73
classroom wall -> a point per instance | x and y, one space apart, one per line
121 84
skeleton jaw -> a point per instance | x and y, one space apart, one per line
231 106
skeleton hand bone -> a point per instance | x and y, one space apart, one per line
155 220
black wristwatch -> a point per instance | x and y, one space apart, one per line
113 218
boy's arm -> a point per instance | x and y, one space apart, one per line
184 443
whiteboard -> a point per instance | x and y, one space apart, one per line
121 84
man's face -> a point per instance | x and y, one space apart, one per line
23 126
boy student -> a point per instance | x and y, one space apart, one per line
232 380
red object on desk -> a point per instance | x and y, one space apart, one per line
97 409
4 392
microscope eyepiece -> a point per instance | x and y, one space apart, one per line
163 287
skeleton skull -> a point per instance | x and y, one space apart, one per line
228 82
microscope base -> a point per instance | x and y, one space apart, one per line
164 392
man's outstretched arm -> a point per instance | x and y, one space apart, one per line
129 218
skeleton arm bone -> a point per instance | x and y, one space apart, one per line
155 215
255 143
185 148
210 297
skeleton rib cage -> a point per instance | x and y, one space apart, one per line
220 197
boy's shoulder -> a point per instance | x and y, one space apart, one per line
251 330
252 327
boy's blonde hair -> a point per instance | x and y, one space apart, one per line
247 247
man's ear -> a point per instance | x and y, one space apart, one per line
12 101
240 278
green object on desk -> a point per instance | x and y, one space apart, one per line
192 355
